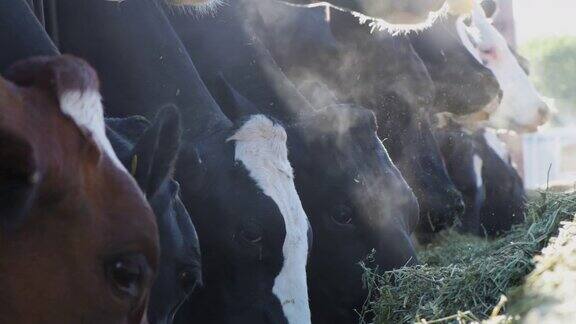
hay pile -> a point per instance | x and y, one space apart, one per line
548 295
463 278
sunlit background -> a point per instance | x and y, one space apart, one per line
545 33
544 18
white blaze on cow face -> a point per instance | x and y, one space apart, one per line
261 147
522 107
477 163
86 110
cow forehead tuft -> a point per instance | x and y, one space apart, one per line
258 128
85 108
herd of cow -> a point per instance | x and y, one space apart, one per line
286 143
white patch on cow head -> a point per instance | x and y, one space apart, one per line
497 145
261 147
522 107
199 7
85 109
477 163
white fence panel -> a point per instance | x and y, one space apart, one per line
549 157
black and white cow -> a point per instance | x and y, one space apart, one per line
236 179
355 198
464 165
150 151
505 202
522 108
463 85
493 191
377 71
252 228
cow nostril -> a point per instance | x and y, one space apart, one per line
457 202
500 95
459 207
544 112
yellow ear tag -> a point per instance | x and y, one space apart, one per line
134 165
460 7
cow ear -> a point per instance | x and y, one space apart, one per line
233 104
19 179
123 133
129 127
154 155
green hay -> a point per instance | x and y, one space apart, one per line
465 275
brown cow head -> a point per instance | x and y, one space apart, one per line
79 241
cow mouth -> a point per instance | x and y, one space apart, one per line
523 128
175 308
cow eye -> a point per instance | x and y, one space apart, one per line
343 215
488 55
251 236
127 274
187 280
